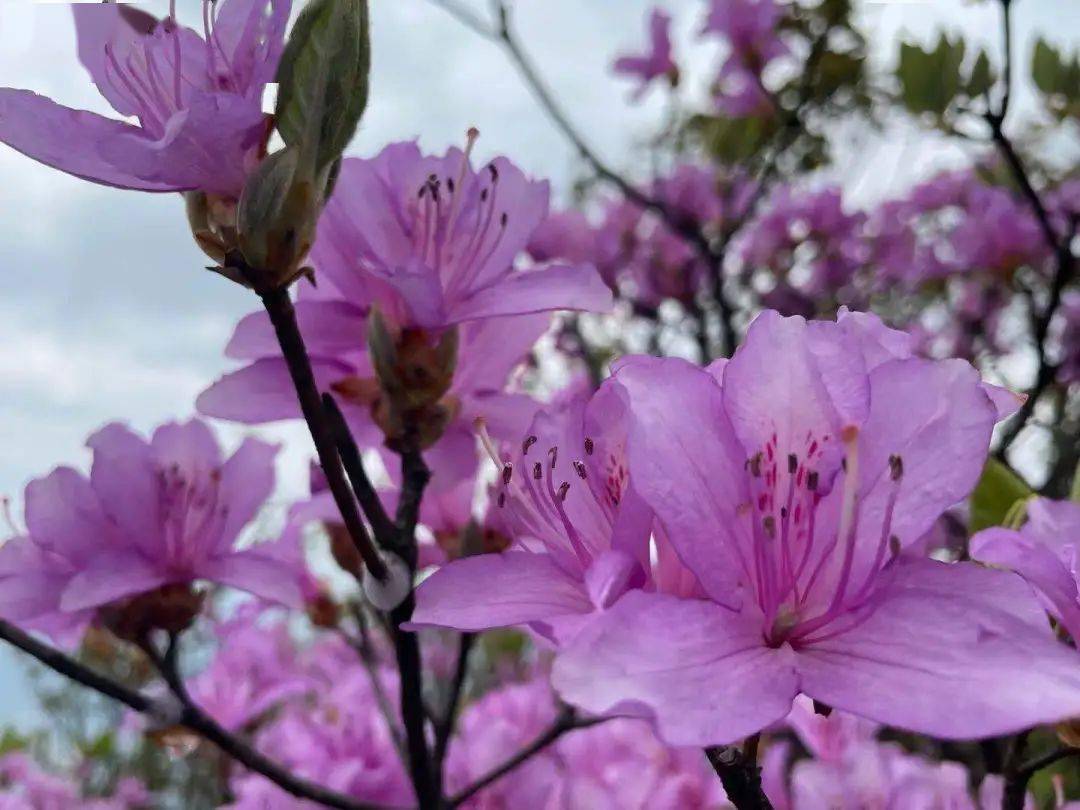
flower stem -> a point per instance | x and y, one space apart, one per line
740 774
283 316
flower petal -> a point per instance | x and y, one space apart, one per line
247 481
262 392
1038 564
687 465
707 677
255 570
72 140
124 476
954 651
114 574
553 288
330 328
498 590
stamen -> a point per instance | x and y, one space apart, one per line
579 468
525 445
480 426
538 471
507 472
9 519
589 447
502 499
564 487
553 452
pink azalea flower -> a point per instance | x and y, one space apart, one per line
433 242
341 741
656 62
788 480
150 514
580 531
750 29
334 328
25 785
198 99
619 764
1045 552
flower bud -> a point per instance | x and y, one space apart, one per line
276 218
171 608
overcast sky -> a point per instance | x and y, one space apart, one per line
105 312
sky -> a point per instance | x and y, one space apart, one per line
107 313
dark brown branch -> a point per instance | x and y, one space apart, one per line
740 775
565 722
444 727
414 479
381 525
186 714
283 316
1017 777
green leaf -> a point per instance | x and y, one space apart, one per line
733 140
1046 67
998 492
981 78
930 80
323 79
1074 492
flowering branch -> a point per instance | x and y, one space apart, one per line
283 316
503 34
566 721
190 716
740 774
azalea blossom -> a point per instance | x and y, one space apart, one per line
197 99
432 242
151 513
657 61
788 480
580 533
334 329
1045 552
849 769
618 764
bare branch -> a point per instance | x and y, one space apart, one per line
187 715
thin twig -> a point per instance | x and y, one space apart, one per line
186 714
566 721
381 525
283 316
1060 246
444 727
740 775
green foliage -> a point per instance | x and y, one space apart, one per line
323 79
733 141
1057 77
997 497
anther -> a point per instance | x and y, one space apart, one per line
507 472
525 445
754 465
812 480
768 523
579 468
502 500
896 467
564 487
792 463
494 173
894 545
503 220
538 471
450 184
589 447
554 453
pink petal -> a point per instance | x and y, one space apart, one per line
64 515
1038 564
190 446
1005 402
688 466
492 348
262 392
498 590
256 570
700 671
329 328
106 25
115 574
525 292
72 141
247 481
124 476
954 651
